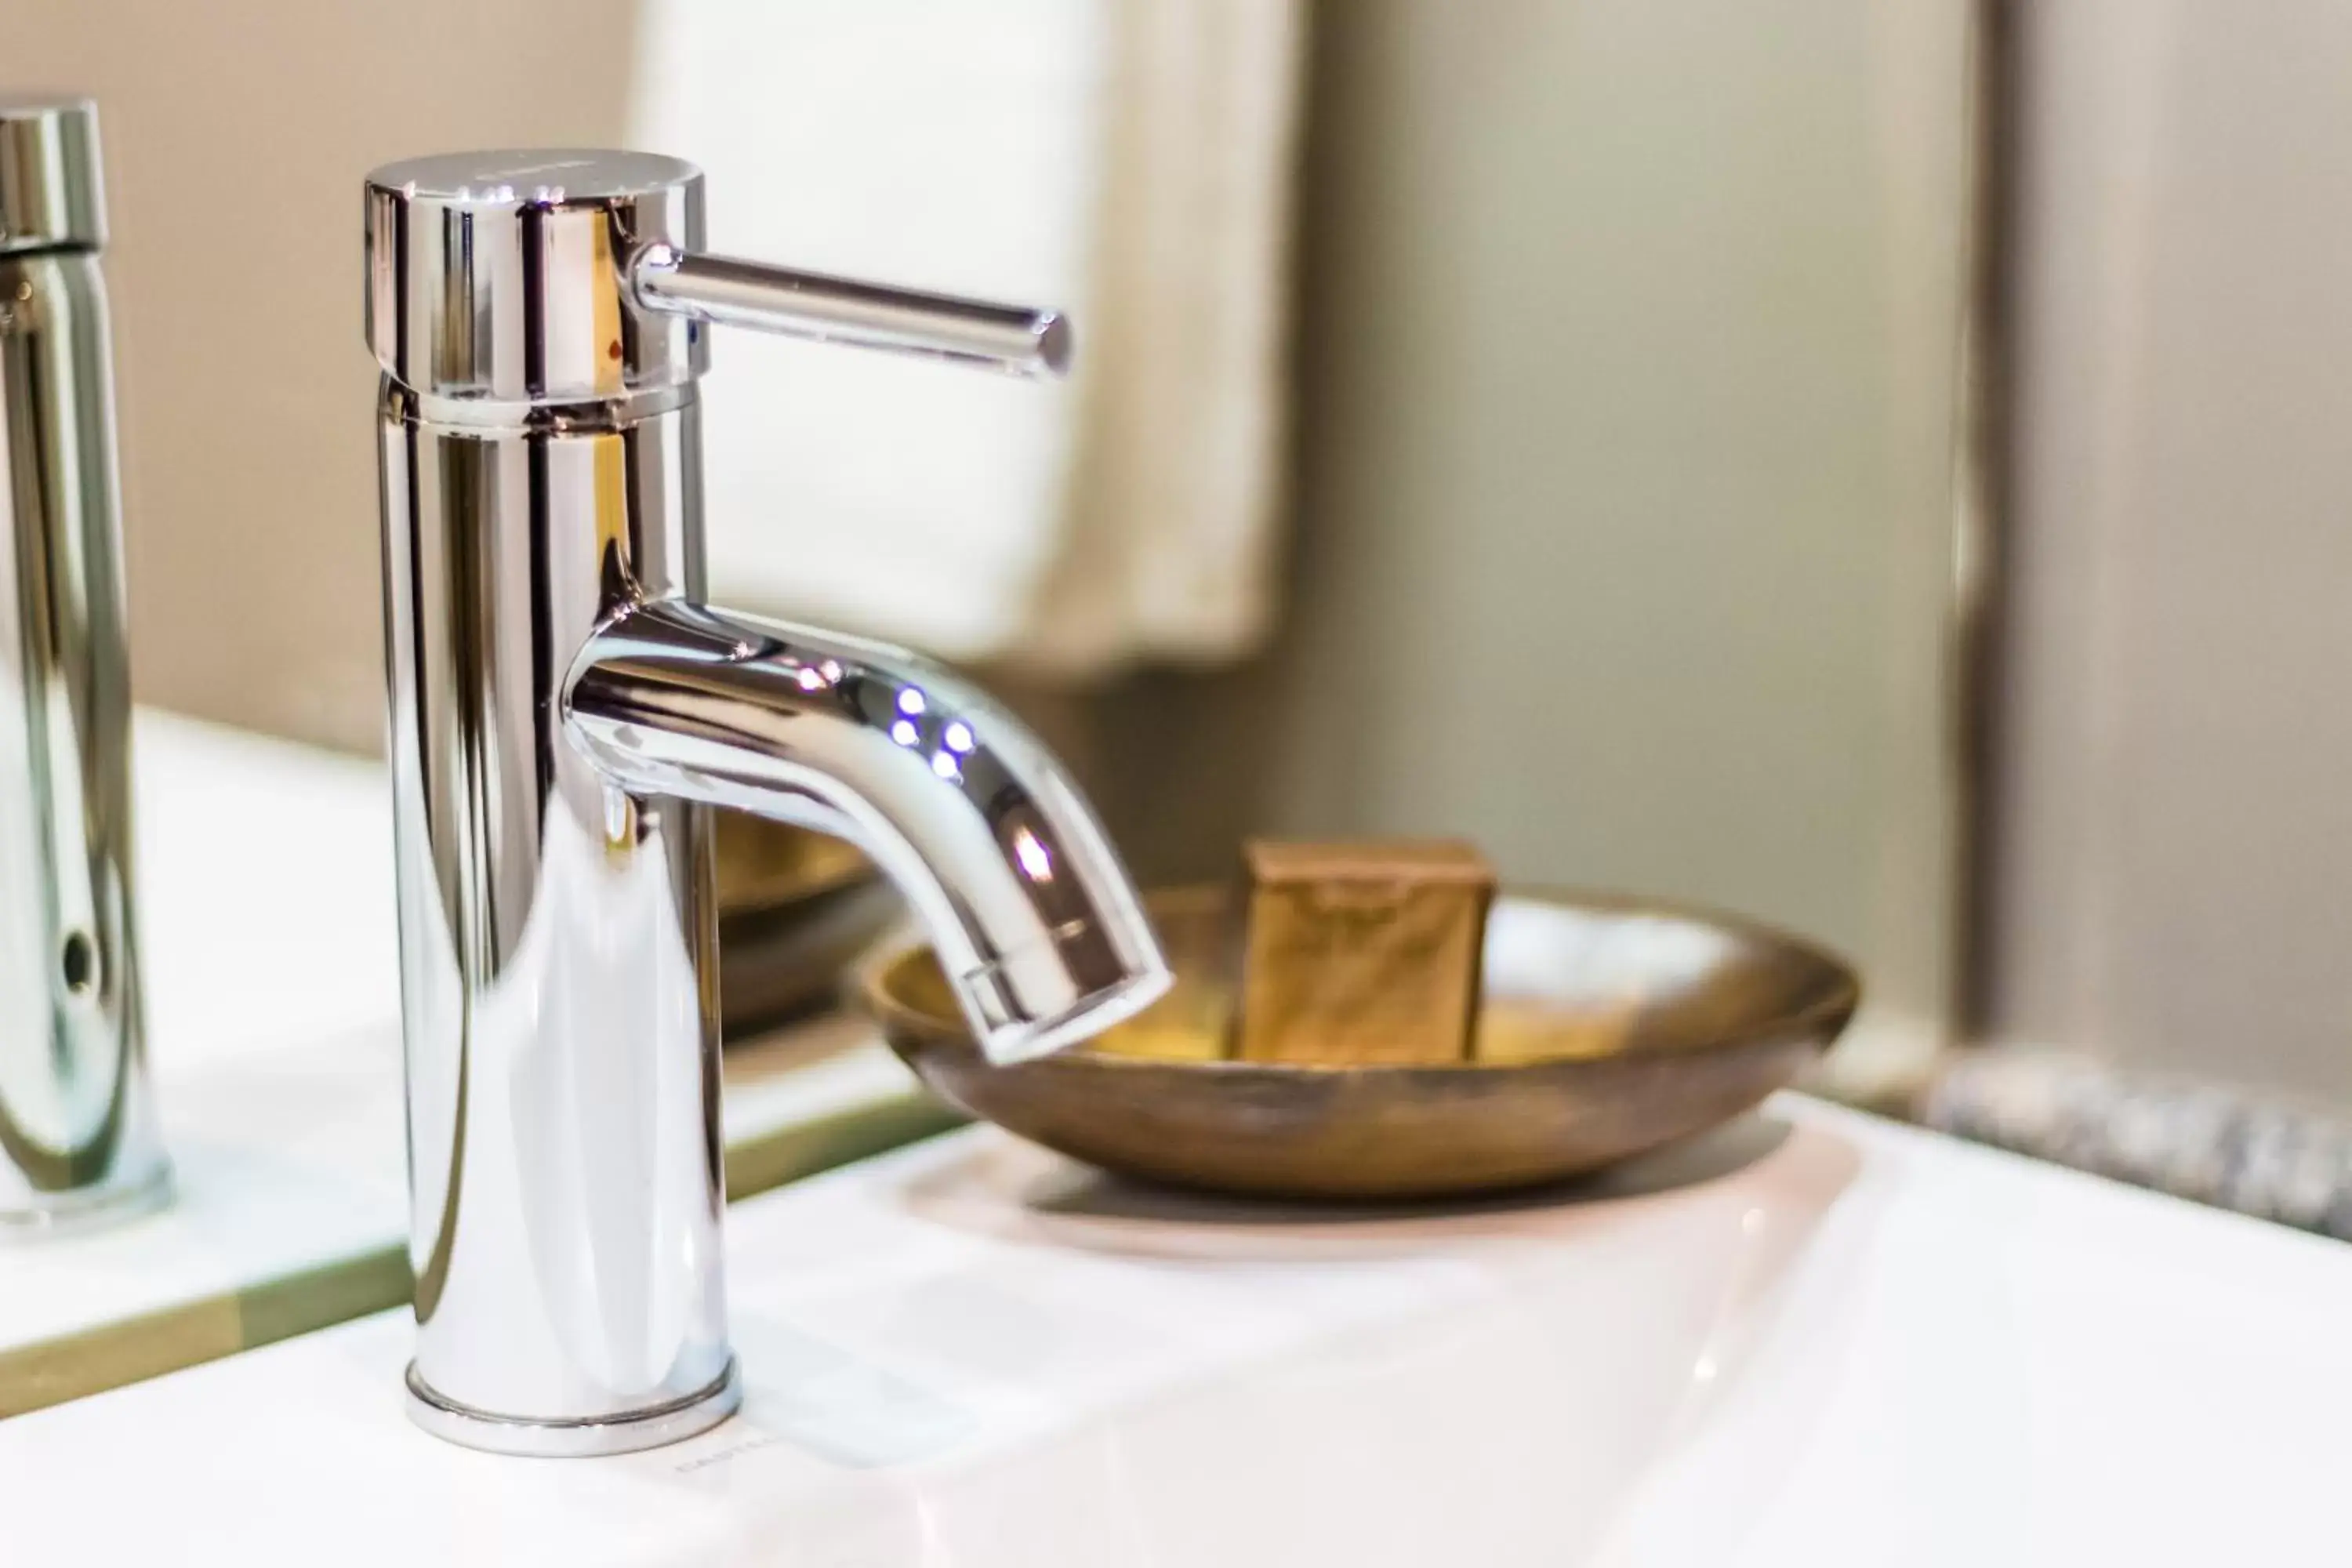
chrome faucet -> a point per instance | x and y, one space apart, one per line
78 1138
564 708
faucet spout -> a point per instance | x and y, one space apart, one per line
1038 929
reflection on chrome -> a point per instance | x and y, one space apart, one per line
77 1138
564 708
1037 861
673 699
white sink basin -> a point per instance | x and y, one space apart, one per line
1865 1345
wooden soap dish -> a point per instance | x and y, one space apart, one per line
1608 1027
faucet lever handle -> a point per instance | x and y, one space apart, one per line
729 291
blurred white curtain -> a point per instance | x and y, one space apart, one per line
1128 161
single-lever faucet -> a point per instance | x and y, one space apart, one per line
564 708
78 1137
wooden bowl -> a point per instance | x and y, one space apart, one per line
1609 1027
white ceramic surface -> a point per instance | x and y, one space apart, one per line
267 941
1864 1344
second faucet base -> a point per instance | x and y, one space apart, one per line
126 1194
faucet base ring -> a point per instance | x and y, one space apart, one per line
122 1196
652 1427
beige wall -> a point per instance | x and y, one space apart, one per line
236 133
1626 386
1629 386
1627 378
2174 882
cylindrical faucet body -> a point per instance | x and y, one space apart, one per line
558 935
78 1138
564 710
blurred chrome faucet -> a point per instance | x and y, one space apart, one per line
565 708
76 1125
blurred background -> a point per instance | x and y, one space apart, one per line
1872 467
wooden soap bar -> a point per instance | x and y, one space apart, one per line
1361 953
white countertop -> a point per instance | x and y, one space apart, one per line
1865 1345
269 951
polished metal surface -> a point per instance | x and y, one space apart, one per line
585 1437
731 292
503 277
564 708
78 1138
958 804
51 196
1609 1027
